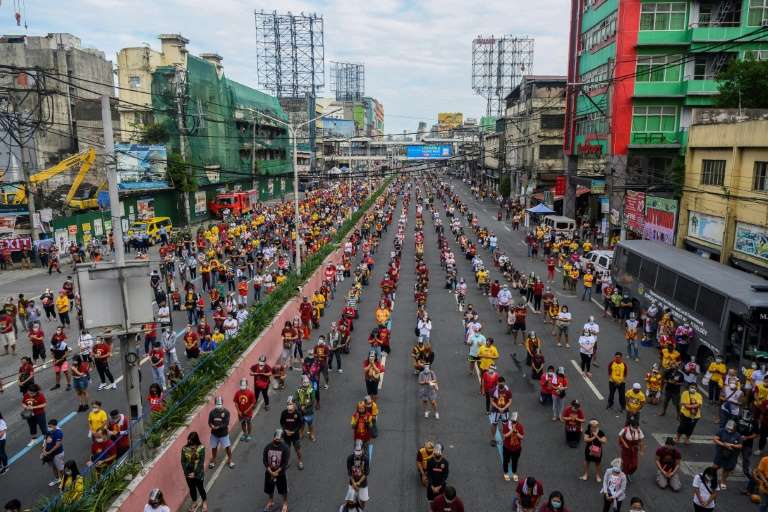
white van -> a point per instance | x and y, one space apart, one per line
600 259
559 224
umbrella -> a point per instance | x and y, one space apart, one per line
540 208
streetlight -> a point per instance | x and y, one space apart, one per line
292 132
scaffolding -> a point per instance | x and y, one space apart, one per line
498 66
290 56
348 81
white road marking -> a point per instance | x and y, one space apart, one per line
695 439
588 381
693 468
507 228
143 361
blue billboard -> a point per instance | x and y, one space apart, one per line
338 128
141 166
429 151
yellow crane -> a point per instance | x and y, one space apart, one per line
84 160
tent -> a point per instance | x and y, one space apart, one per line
541 209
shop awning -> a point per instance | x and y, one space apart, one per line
580 191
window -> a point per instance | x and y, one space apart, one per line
658 68
595 78
550 152
756 55
552 121
665 283
686 292
760 181
600 34
663 16
648 273
707 65
591 123
134 82
654 119
710 304
712 172
633 263
758 12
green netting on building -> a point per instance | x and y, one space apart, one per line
220 121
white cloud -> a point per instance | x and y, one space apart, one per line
417 53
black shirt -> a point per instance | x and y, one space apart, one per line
290 421
276 456
673 379
358 466
218 419
437 472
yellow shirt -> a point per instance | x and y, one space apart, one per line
588 278
217 337
382 315
718 372
760 392
482 276
62 303
667 358
586 246
635 400
487 355
691 399
97 420
280 279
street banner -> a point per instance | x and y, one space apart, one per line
634 211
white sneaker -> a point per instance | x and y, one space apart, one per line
341 371
53 483
32 442
426 414
437 415
113 385
102 386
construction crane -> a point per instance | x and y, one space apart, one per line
84 160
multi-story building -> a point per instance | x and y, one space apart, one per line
724 213
74 78
533 134
637 68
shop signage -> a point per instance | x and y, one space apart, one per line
660 219
560 185
589 149
708 228
597 187
634 211
751 240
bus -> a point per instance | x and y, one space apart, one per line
726 307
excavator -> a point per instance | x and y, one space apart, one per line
17 195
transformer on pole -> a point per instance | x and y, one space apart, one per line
498 66
348 81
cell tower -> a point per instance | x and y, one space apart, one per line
498 65
348 81
290 56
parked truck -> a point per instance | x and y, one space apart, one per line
238 203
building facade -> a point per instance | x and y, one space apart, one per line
724 208
533 134
637 69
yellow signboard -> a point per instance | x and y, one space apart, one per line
449 120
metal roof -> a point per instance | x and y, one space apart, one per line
724 279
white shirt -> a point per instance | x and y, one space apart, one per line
504 297
230 326
425 327
704 492
85 343
3 429
564 316
592 327
587 345
161 508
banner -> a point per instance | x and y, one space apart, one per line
429 151
560 185
141 166
145 208
708 228
200 203
15 244
751 240
634 211
660 219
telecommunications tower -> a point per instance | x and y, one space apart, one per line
348 81
498 65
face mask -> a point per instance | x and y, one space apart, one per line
556 505
68 472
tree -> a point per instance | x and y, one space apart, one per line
180 173
744 84
153 133
505 185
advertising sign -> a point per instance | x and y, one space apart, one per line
597 187
429 151
141 166
145 208
751 240
449 120
15 244
559 185
634 211
200 206
706 227
660 219
338 128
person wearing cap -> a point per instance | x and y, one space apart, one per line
275 457
428 390
262 375
614 487
668 466
513 434
358 468
423 455
635 400
245 402
728 443
437 473
218 421
156 502
291 423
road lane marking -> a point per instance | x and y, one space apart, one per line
588 381
507 228
695 439
39 440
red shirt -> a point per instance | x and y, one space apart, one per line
245 400
512 443
305 310
261 381
495 289
122 442
36 400
37 336
205 329
107 447
157 357
101 350
441 504
156 403
489 381
503 397
6 324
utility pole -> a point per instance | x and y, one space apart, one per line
253 153
18 138
180 79
129 347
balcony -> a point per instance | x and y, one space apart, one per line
706 87
724 31
659 90
664 37
651 140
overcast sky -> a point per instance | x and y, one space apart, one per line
417 53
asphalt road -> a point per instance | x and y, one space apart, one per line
463 427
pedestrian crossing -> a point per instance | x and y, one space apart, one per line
693 468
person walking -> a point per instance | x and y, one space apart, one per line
358 469
290 427
614 487
631 440
705 488
218 422
594 440
372 370
428 388
691 402
617 376
193 466
513 434
275 457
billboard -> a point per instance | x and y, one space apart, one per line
338 128
706 227
429 151
751 240
660 219
634 211
449 120
141 166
